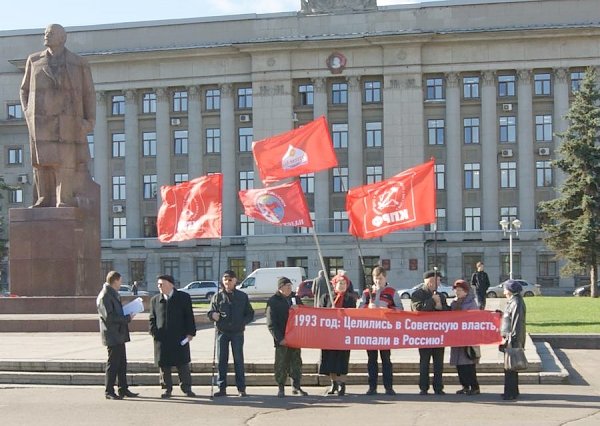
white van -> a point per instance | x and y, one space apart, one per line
262 283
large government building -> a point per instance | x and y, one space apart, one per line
480 85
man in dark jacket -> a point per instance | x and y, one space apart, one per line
115 332
288 360
231 311
481 282
173 327
426 298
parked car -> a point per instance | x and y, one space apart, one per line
126 290
528 289
406 293
201 289
586 290
305 290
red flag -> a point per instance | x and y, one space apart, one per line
303 150
191 209
282 205
403 201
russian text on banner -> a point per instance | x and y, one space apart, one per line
402 201
303 150
345 329
282 205
191 209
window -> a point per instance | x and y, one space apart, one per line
213 99
301 262
213 141
543 172
547 265
118 145
119 228
505 266
374 174
435 89
372 91
471 130
307 181
472 219
118 105
15 112
150 186
542 84
245 135
180 139
508 174
333 265
118 188
440 176
204 266
137 270
472 175
470 87
440 219
435 129
15 156
373 134
508 213
306 229
90 141
149 103
469 262
150 229
15 195
340 221
244 97
339 134
246 225
576 79
306 92
339 93
506 85
106 266
180 101
149 144
340 179
180 178
246 180
171 267
543 128
508 129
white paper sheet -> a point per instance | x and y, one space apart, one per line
134 307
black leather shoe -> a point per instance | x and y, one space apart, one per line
372 391
440 392
473 392
127 393
299 391
166 395
462 391
333 389
342 390
390 392
112 395
242 394
423 392
222 392
190 394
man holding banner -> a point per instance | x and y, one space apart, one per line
426 298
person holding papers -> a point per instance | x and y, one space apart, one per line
114 330
173 327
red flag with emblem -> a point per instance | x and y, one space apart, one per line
303 150
282 205
191 209
403 201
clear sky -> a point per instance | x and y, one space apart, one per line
32 14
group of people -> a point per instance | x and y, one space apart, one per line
172 326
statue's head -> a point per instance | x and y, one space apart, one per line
55 36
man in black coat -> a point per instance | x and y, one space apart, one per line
426 298
230 309
288 360
481 282
173 327
114 330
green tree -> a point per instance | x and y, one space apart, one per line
572 220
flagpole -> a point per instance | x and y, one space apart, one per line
219 264
323 265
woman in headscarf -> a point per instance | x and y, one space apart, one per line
513 333
334 363
465 366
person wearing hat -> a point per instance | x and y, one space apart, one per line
426 298
173 327
465 365
288 361
513 333
231 311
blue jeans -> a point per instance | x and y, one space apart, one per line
237 348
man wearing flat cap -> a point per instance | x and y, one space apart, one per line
288 360
231 311
426 298
173 327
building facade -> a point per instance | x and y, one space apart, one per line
481 86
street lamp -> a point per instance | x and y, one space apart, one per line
510 227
